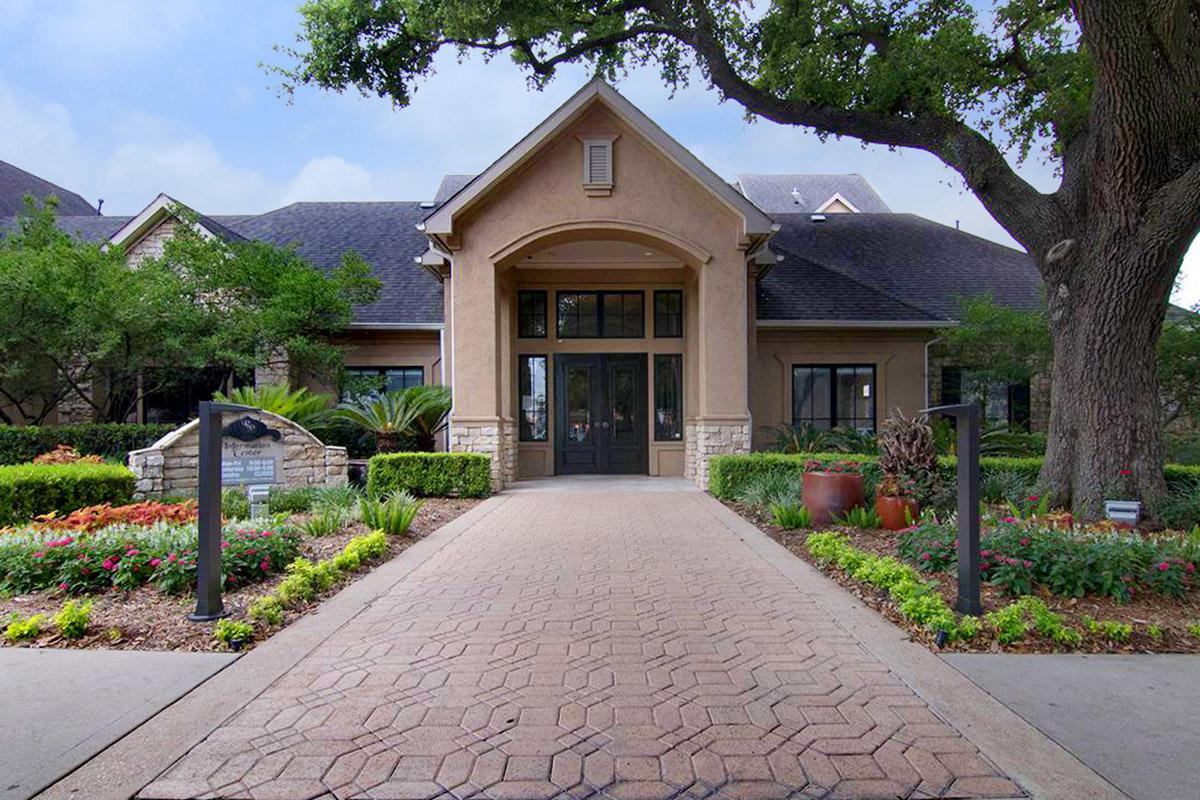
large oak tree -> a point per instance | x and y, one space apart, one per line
1107 89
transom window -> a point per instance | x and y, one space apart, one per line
531 314
834 396
601 315
360 382
668 313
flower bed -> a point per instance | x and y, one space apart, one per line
101 516
1153 617
147 618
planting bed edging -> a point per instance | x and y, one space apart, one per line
120 771
1025 754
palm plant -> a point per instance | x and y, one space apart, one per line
390 416
301 407
434 402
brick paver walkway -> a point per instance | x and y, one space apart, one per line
588 644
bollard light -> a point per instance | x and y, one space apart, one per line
967 416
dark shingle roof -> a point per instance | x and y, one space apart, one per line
384 234
799 289
15 183
450 186
774 193
912 260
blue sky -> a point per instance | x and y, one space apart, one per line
122 99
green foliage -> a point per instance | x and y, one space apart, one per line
1004 486
908 456
344 499
790 515
1179 369
110 440
932 546
392 514
19 629
233 633
1194 630
290 501
809 439
72 619
30 490
860 517
206 303
1155 631
267 610
1109 629
770 488
1008 623
235 504
430 474
305 409
325 522
298 586
997 343
1180 509
418 413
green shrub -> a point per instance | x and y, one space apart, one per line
290 501
343 498
21 629
325 522
790 516
1008 623
30 490
1193 630
72 619
1109 629
1003 486
860 517
771 488
266 609
430 474
392 514
298 586
112 440
232 633
235 504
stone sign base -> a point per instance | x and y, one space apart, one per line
292 459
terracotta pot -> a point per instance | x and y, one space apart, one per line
830 494
897 513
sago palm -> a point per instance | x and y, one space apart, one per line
305 409
434 402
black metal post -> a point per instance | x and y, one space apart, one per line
209 605
967 416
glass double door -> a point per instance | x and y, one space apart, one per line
601 426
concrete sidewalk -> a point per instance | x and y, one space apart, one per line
1135 719
61 707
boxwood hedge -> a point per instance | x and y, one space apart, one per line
728 474
430 474
30 490
114 440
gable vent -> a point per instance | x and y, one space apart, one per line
597 166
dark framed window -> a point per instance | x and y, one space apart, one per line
531 314
1002 403
834 396
535 409
367 382
601 315
668 397
668 313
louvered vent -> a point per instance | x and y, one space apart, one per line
597 163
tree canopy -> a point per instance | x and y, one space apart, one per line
79 322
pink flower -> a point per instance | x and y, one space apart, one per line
1033 498
1190 567
131 552
224 545
1163 566
1125 473
154 562
265 534
924 556
265 565
171 557
1027 563
40 554
63 586
251 551
1009 520
1025 542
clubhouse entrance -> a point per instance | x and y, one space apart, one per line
601 412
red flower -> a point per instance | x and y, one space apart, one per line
63 586
1125 473
1025 542
1190 567
1163 566
1033 498
924 556
265 565
39 554
154 562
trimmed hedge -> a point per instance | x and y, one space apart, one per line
728 474
19 444
430 474
30 490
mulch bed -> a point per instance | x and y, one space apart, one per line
1172 615
147 619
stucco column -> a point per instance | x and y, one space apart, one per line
475 423
722 424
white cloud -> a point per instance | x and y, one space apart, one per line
331 178
190 170
37 136
87 29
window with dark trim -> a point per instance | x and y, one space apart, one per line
668 397
601 315
360 382
1003 403
535 410
531 314
668 313
834 396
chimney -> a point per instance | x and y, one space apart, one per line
99 205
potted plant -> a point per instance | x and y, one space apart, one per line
908 464
831 489
896 503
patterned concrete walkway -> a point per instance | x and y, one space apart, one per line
588 644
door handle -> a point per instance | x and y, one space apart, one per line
604 425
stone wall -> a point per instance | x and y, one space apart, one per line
153 244
494 438
707 438
170 465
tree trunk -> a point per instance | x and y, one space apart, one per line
1105 437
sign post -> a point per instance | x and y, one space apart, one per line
208 518
967 417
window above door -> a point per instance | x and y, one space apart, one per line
601 315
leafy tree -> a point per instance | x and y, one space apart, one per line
79 322
1105 89
998 344
1179 369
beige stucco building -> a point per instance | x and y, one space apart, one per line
601 301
